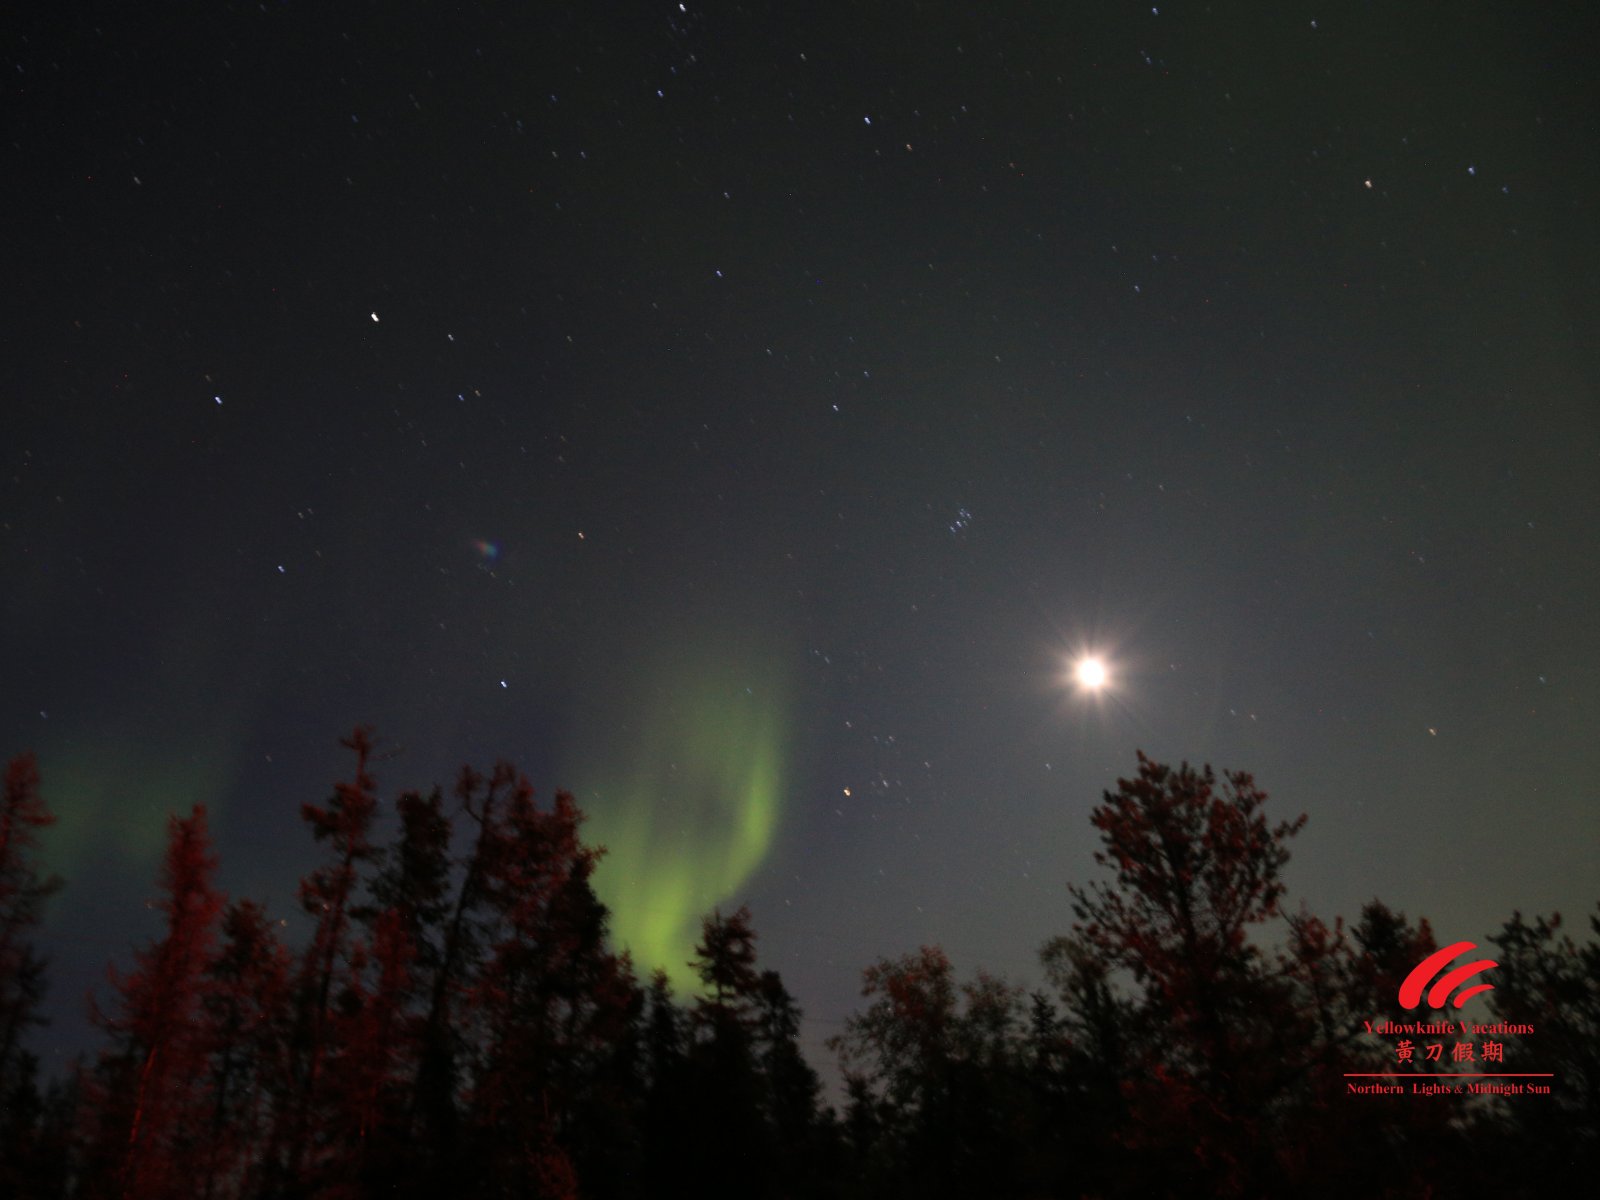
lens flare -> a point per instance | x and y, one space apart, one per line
1092 674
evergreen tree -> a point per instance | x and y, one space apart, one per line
328 895
1387 948
39 1132
414 878
733 1105
731 1146
1083 1054
375 1036
667 1122
433 1114
23 891
247 1018
664 1035
148 1101
405 919
21 1112
490 1041
806 1149
1547 982
725 961
551 1000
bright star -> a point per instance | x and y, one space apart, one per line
1091 674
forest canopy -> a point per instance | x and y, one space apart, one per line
459 1022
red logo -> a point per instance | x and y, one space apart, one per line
1411 989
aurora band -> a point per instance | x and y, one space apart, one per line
682 783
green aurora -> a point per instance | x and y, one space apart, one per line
683 788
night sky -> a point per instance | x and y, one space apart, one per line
744 415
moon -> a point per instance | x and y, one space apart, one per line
1091 674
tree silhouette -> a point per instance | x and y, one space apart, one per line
934 1071
464 929
413 879
384 1004
1196 865
737 1104
804 1144
731 1147
725 961
23 891
246 1004
1082 1054
373 1036
463 1025
1546 982
551 999
667 1122
147 1101
328 895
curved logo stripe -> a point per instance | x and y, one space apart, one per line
1411 989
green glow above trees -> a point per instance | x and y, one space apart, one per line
682 787
113 798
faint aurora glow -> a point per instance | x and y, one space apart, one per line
682 784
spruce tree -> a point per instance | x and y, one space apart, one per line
23 890
148 1099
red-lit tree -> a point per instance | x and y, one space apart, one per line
24 1148
23 891
1336 980
552 1002
147 1099
328 895
901 1043
933 1067
375 1036
1387 947
414 879
247 1017
385 1024
1196 866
